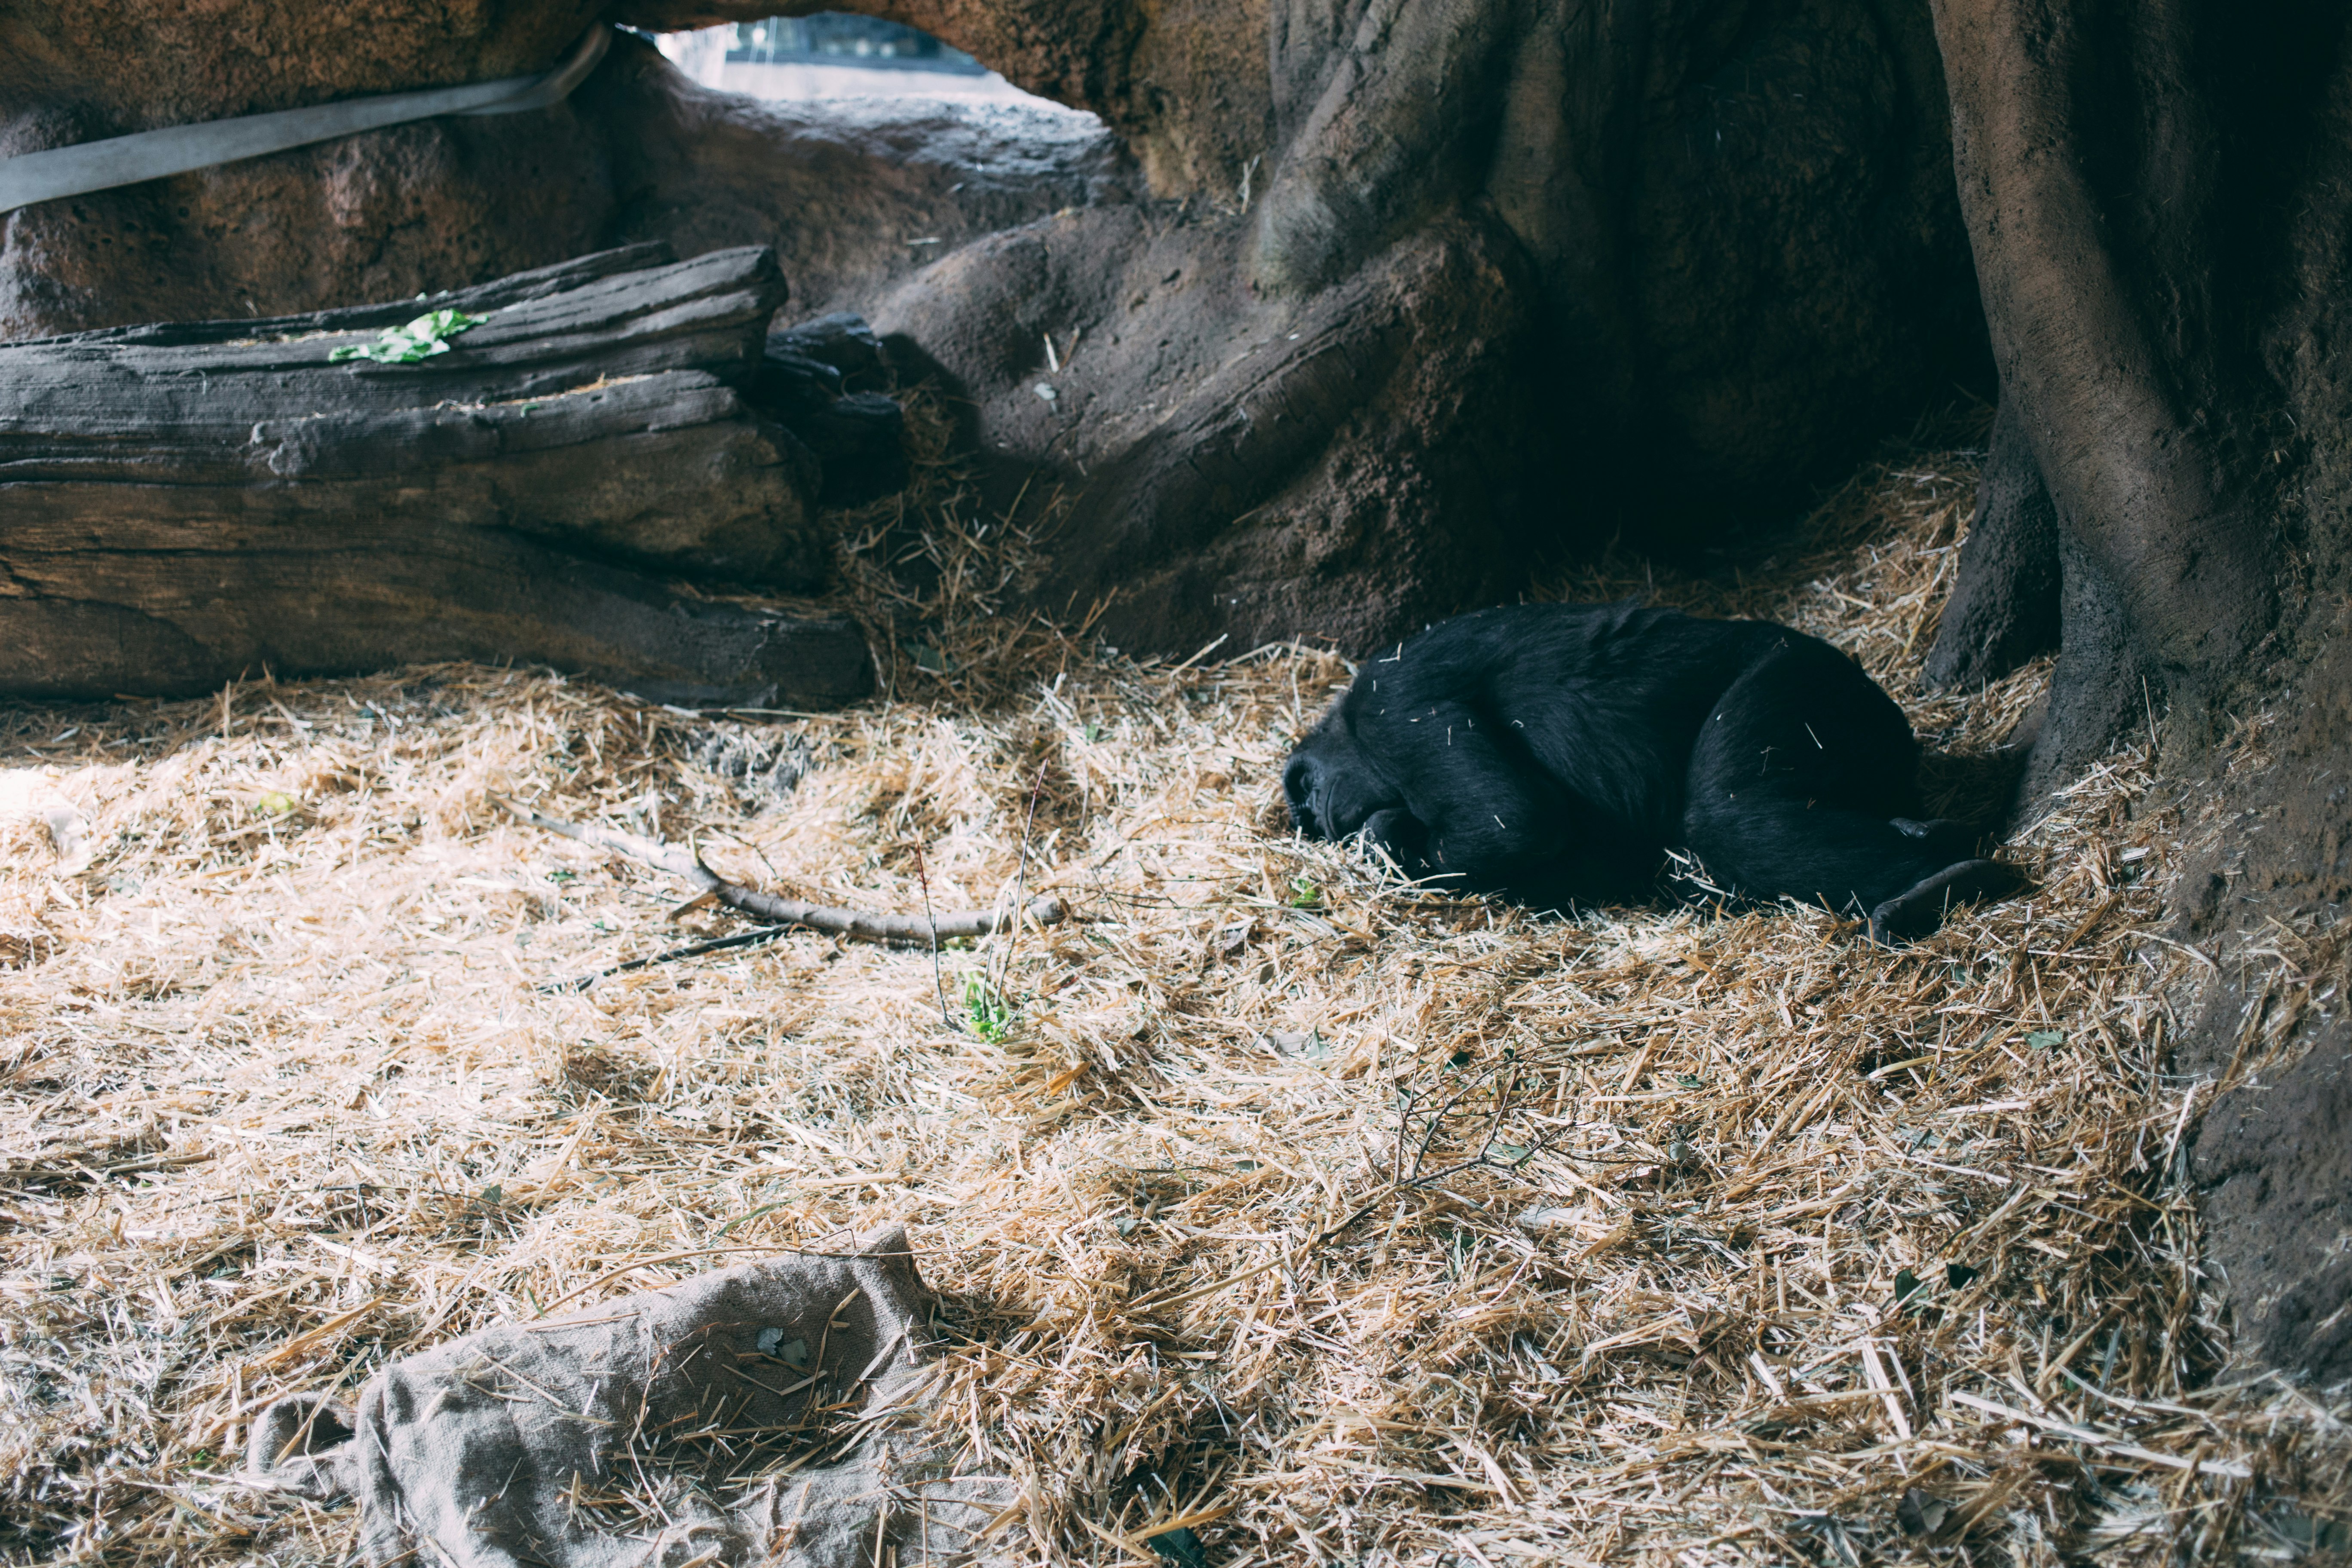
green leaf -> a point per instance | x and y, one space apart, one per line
1690 1081
1921 1513
1093 731
1957 1274
1458 1247
1179 1546
1905 1283
422 337
275 803
991 1013
746 1219
1507 1150
1304 894
2043 1039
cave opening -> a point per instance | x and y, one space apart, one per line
837 55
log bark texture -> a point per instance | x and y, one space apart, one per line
183 503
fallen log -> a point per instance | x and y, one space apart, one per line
187 502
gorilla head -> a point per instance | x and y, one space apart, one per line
1333 786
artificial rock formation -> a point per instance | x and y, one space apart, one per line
183 504
1356 309
1445 287
2160 204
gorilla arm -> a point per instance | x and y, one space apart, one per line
1478 814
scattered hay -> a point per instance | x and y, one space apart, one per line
1330 1222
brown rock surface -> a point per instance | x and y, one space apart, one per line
430 205
2160 202
1183 83
1346 463
636 152
1692 260
849 194
1541 265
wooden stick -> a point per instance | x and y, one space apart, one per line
668 955
907 930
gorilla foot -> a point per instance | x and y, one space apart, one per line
1920 908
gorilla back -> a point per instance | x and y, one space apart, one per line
1555 751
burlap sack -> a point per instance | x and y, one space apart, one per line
763 1414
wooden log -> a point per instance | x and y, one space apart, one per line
185 503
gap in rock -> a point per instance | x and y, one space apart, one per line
837 55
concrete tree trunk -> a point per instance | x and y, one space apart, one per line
2160 199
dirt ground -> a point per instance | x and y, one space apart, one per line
1353 1224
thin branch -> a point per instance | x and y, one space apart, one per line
1501 1079
1021 870
938 981
1545 1144
906 929
692 950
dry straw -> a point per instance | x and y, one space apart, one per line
1329 1222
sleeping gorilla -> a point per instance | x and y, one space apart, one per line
1555 751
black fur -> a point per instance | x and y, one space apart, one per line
1555 751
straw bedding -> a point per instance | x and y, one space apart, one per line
1270 1201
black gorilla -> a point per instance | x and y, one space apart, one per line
1555 751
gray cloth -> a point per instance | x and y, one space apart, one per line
760 1415
86 167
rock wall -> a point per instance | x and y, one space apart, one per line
1355 310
